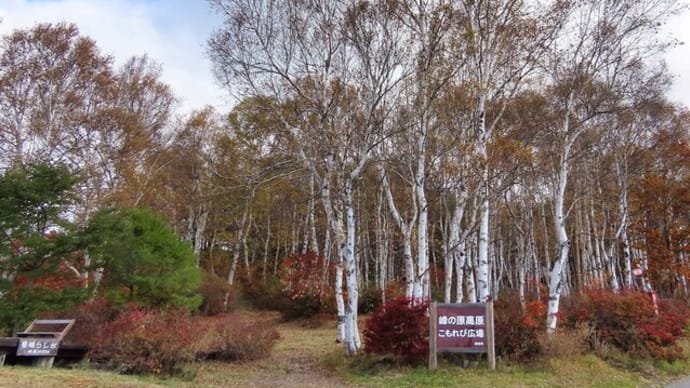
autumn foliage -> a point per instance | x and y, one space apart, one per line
516 330
307 279
144 341
628 322
401 328
235 338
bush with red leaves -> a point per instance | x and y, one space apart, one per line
145 342
627 321
307 279
516 332
399 327
88 317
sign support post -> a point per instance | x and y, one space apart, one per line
490 341
433 328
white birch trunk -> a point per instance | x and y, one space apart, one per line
422 284
245 247
237 249
627 259
266 247
199 230
483 243
470 276
521 286
590 251
611 267
448 277
352 340
406 231
313 242
456 249
336 225
622 235
382 244
459 261
556 275
340 304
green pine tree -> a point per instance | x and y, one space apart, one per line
144 261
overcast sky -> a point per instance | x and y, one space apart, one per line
174 34
171 32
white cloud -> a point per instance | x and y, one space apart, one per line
172 33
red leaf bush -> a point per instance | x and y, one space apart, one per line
399 327
628 322
89 319
307 284
142 341
517 332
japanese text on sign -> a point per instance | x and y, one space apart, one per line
38 347
461 326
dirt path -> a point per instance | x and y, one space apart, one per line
683 383
296 361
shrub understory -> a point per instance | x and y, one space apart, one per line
401 328
237 339
140 341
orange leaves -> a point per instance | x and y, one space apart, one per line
306 274
534 315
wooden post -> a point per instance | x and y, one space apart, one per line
433 360
2 358
490 343
43 362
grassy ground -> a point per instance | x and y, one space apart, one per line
309 357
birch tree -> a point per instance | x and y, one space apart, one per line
189 174
329 66
601 41
502 41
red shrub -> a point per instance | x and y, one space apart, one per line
516 331
663 331
144 341
89 319
400 327
616 318
628 322
307 280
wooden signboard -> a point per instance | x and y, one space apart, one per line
461 328
41 340
38 347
